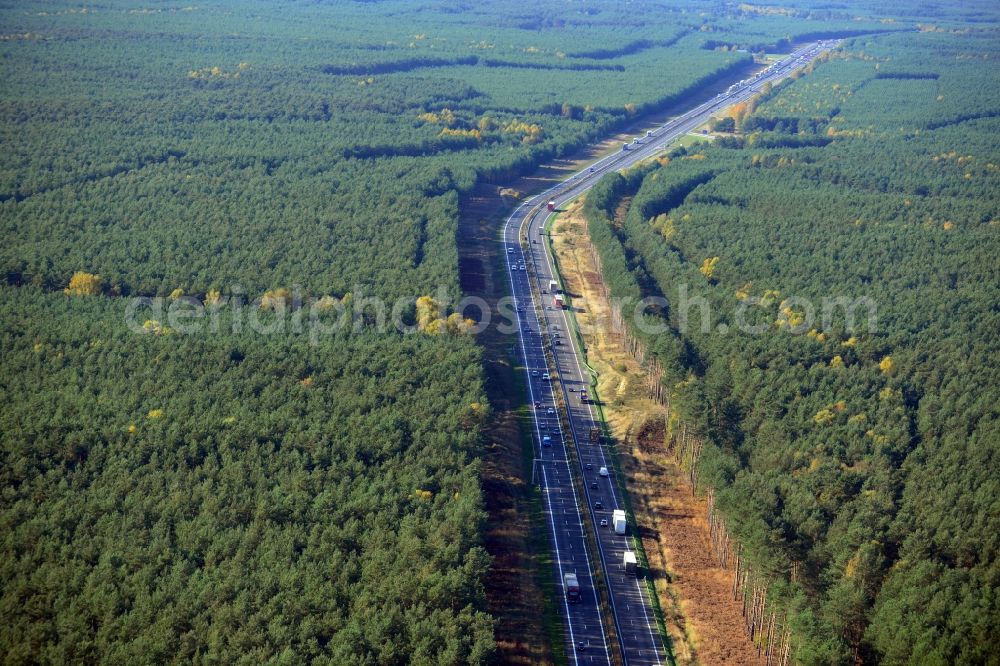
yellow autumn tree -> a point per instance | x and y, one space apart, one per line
427 312
274 299
886 365
458 326
325 303
708 267
737 112
823 416
448 131
532 132
431 321
84 284
664 224
155 327
486 124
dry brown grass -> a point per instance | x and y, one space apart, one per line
704 622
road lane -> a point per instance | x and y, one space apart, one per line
540 325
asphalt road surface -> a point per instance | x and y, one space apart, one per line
547 345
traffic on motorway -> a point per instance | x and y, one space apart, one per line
555 368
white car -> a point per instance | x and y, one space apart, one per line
603 471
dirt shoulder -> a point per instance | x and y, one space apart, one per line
514 587
696 595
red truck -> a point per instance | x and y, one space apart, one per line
552 205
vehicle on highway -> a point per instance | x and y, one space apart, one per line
629 561
603 471
546 441
546 377
593 485
551 412
598 505
572 587
604 522
588 467
619 521
534 373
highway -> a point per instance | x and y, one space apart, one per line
547 346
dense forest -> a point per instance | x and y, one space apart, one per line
233 496
853 450
230 493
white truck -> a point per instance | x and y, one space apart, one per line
618 521
629 562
